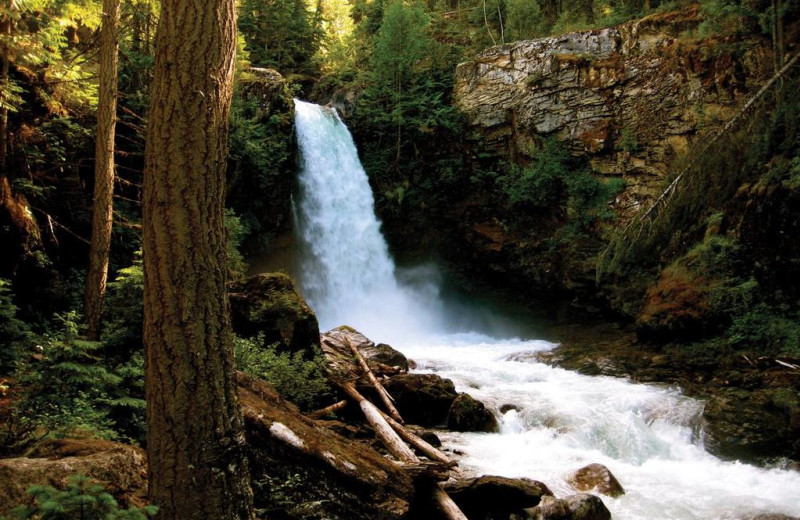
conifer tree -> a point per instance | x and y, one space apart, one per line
195 441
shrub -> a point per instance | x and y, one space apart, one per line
81 500
555 180
13 331
297 379
72 388
763 331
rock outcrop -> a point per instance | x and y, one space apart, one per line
120 469
629 97
269 304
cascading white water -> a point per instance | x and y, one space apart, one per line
649 436
347 276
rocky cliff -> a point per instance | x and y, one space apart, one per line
630 98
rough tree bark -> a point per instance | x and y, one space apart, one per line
5 28
103 204
195 441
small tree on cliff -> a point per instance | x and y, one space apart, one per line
404 93
194 429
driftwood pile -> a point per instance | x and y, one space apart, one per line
346 367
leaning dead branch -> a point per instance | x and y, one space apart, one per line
329 410
382 393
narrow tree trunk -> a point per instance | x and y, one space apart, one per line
195 442
780 33
5 28
103 205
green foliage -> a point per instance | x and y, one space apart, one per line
297 379
123 318
38 40
81 500
281 34
541 185
628 141
71 388
764 331
260 167
235 232
525 20
406 94
338 51
15 332
555 181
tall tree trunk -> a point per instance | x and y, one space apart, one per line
195 440
103 205
5 27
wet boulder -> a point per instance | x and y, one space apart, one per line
491 497
268 303
467 414
423 399
431 438
381 358
596 477
385 355
508 408
573 507
746 424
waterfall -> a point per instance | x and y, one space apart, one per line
347 273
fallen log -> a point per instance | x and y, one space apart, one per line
382 393
419 443
343 374
398 448
446 505
390 439
328 410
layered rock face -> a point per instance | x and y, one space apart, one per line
630 98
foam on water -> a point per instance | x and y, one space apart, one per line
649 436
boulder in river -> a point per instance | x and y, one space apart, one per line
385 355
573 507
596 477
381 358
423 399
467 414
496 497
268 303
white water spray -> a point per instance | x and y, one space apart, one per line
649 436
